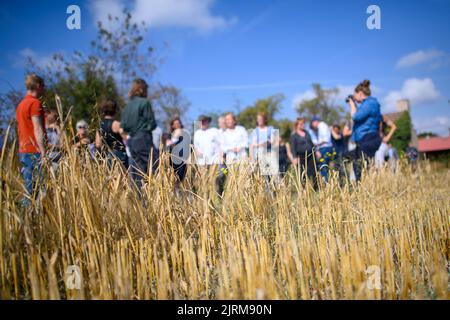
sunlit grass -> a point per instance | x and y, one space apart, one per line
287 242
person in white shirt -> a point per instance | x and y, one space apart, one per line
387 130
206 143
234 141
156 136
222 128
222 124
321 137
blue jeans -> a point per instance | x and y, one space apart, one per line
31 172
324 161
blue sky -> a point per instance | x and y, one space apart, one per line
221 51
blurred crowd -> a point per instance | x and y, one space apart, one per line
315 148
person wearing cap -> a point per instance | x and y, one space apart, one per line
206 143
81 141
321 136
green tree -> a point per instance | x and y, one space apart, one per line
285 126
322 105
81 89
402 136
270 105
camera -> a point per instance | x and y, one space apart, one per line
350 97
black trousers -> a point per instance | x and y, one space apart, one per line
365 151
180 170
308 169
141 149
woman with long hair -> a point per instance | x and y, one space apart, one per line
262 141
303 152
138 122
179 146
108 138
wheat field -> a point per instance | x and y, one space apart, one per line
284 241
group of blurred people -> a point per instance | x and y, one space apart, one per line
136 141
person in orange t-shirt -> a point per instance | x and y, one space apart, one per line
30 125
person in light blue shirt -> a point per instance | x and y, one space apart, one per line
366 124
264 142
261 138
321 136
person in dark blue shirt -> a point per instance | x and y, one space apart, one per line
366 124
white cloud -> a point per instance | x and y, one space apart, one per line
27 54
194 14
418 91
299 97
344 92
102 9
419 57
439 125
255 22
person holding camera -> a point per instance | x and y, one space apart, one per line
366 115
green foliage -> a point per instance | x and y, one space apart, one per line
271 106
82 91
322 105
285 126
402 136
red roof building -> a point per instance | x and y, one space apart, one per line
436 144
